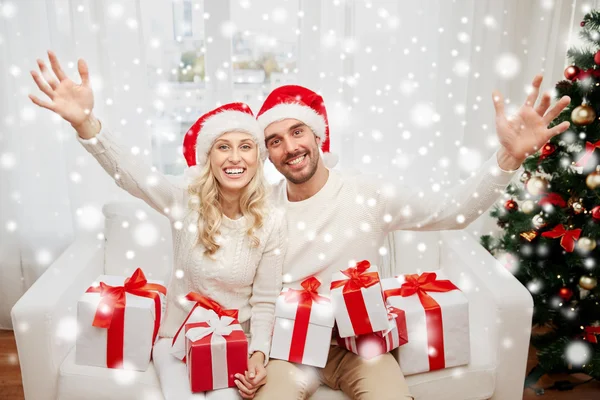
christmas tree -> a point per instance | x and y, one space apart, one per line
551 222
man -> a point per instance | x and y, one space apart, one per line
334 220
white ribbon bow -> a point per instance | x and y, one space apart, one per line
216 326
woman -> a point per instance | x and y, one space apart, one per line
228 242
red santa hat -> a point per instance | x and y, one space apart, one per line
297 102
227 118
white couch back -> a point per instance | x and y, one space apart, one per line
138 236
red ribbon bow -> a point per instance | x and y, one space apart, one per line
591 332
554 199
357 277
207 303
589 150
110 313
420 285
305 299
568 237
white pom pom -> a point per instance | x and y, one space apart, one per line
330 159
191 174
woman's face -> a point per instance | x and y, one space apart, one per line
234 159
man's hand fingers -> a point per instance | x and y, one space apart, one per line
556 110
544 104
535 91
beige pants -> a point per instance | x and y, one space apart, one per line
377 379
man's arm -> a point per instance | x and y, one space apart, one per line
405 208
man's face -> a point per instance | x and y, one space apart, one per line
293 149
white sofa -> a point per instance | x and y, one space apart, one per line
44 318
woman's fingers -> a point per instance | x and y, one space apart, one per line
48 76
41 103
83 72
244 387
60 74
498 103
42 85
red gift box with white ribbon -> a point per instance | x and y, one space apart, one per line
375 344
357 300
437 319
216 350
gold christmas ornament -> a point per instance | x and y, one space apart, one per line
528 206
588 282
538 221
529 236
593 180
586 244
583 115
525 176
537 185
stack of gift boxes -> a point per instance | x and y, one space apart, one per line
422 319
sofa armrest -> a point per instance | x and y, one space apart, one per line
44 318
503 305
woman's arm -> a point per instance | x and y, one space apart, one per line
132 174
74 103
267 286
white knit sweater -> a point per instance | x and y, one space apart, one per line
348 219
239 277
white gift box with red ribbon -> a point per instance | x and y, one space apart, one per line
437 320
127 324
303 325
357 300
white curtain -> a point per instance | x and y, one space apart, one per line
407 85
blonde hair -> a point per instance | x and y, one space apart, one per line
205 198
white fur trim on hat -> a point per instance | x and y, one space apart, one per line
303 113
223 122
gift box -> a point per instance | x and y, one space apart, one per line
374 344
303 325
118 321
216 350
357 300
437 319
202 309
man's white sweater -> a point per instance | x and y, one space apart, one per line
348 219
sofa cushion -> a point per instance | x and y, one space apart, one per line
76 382
137 236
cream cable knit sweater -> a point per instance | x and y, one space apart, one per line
348 219
239 277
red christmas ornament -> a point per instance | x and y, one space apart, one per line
571 72
582 24
511 205
595 213
597 57
547 150
565 293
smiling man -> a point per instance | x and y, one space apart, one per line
336 220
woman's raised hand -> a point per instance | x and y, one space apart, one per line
73 102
